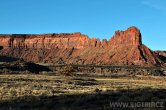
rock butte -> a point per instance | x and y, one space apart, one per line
124 48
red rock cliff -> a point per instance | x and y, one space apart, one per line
124 48
131 36
76 40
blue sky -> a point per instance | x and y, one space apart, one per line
96 18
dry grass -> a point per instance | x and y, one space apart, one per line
13 87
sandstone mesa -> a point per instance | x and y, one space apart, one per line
124 48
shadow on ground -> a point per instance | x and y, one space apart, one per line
19 65
8 59
94 101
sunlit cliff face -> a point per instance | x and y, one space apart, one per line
124 48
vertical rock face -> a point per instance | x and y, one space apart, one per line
44 41
76 40
124 48
131 36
